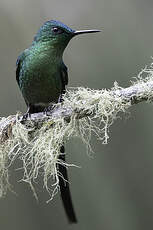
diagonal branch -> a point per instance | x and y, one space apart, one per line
139 91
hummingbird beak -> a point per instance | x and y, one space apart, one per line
77 32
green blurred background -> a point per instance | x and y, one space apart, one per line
113 190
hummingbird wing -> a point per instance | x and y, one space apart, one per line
64 77
18 66
19 62
19 72
63 175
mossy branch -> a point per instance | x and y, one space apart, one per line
36 141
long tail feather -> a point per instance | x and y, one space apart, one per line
65 190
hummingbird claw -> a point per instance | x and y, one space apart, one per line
26 115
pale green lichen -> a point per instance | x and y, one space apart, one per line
39 148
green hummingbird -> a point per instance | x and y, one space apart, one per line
42 77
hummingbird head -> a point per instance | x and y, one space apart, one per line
58 34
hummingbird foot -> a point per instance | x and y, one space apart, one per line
60 99
48 110
26 115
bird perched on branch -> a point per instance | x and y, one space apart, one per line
42 76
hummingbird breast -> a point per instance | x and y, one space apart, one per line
40 79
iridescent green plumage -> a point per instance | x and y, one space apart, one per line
41 73
42 77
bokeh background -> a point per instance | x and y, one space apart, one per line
113 190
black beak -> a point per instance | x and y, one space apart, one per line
77 32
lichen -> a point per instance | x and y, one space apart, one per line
38 147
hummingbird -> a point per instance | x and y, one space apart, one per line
42 77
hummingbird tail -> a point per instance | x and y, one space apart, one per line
65 190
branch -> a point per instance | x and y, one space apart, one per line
36 141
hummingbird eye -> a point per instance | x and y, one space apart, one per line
57 30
